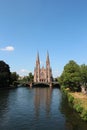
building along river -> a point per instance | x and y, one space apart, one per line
37 109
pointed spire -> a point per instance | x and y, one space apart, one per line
47 60
38 57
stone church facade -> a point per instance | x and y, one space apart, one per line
43 74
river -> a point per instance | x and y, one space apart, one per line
37 109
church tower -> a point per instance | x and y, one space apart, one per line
48 69
37 69
42 74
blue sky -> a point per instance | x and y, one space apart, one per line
56 26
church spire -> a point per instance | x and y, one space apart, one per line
37 60
48 60
42 74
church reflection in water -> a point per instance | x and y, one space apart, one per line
42 101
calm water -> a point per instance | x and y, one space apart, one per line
37 109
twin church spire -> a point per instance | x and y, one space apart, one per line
42 74
38 60
47 58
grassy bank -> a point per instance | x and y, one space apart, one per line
79 102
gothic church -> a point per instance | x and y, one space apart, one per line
42 74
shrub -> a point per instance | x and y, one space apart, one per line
70 98
78 108
84 115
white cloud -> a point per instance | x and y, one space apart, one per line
23 72
8 48
55 73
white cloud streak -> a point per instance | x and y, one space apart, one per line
8 48
23 72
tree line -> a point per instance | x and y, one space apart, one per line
8 78
74 76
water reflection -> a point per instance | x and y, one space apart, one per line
37 109
3 102
73 120
4 96
42 99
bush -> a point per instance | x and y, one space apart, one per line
70 98
84 115
78 108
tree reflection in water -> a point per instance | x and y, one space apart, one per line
73 120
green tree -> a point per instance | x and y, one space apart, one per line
30 77
71 76
83 69
25 79
14 77
4 74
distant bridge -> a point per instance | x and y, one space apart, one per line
42 84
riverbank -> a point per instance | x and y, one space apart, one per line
9 87
78 101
